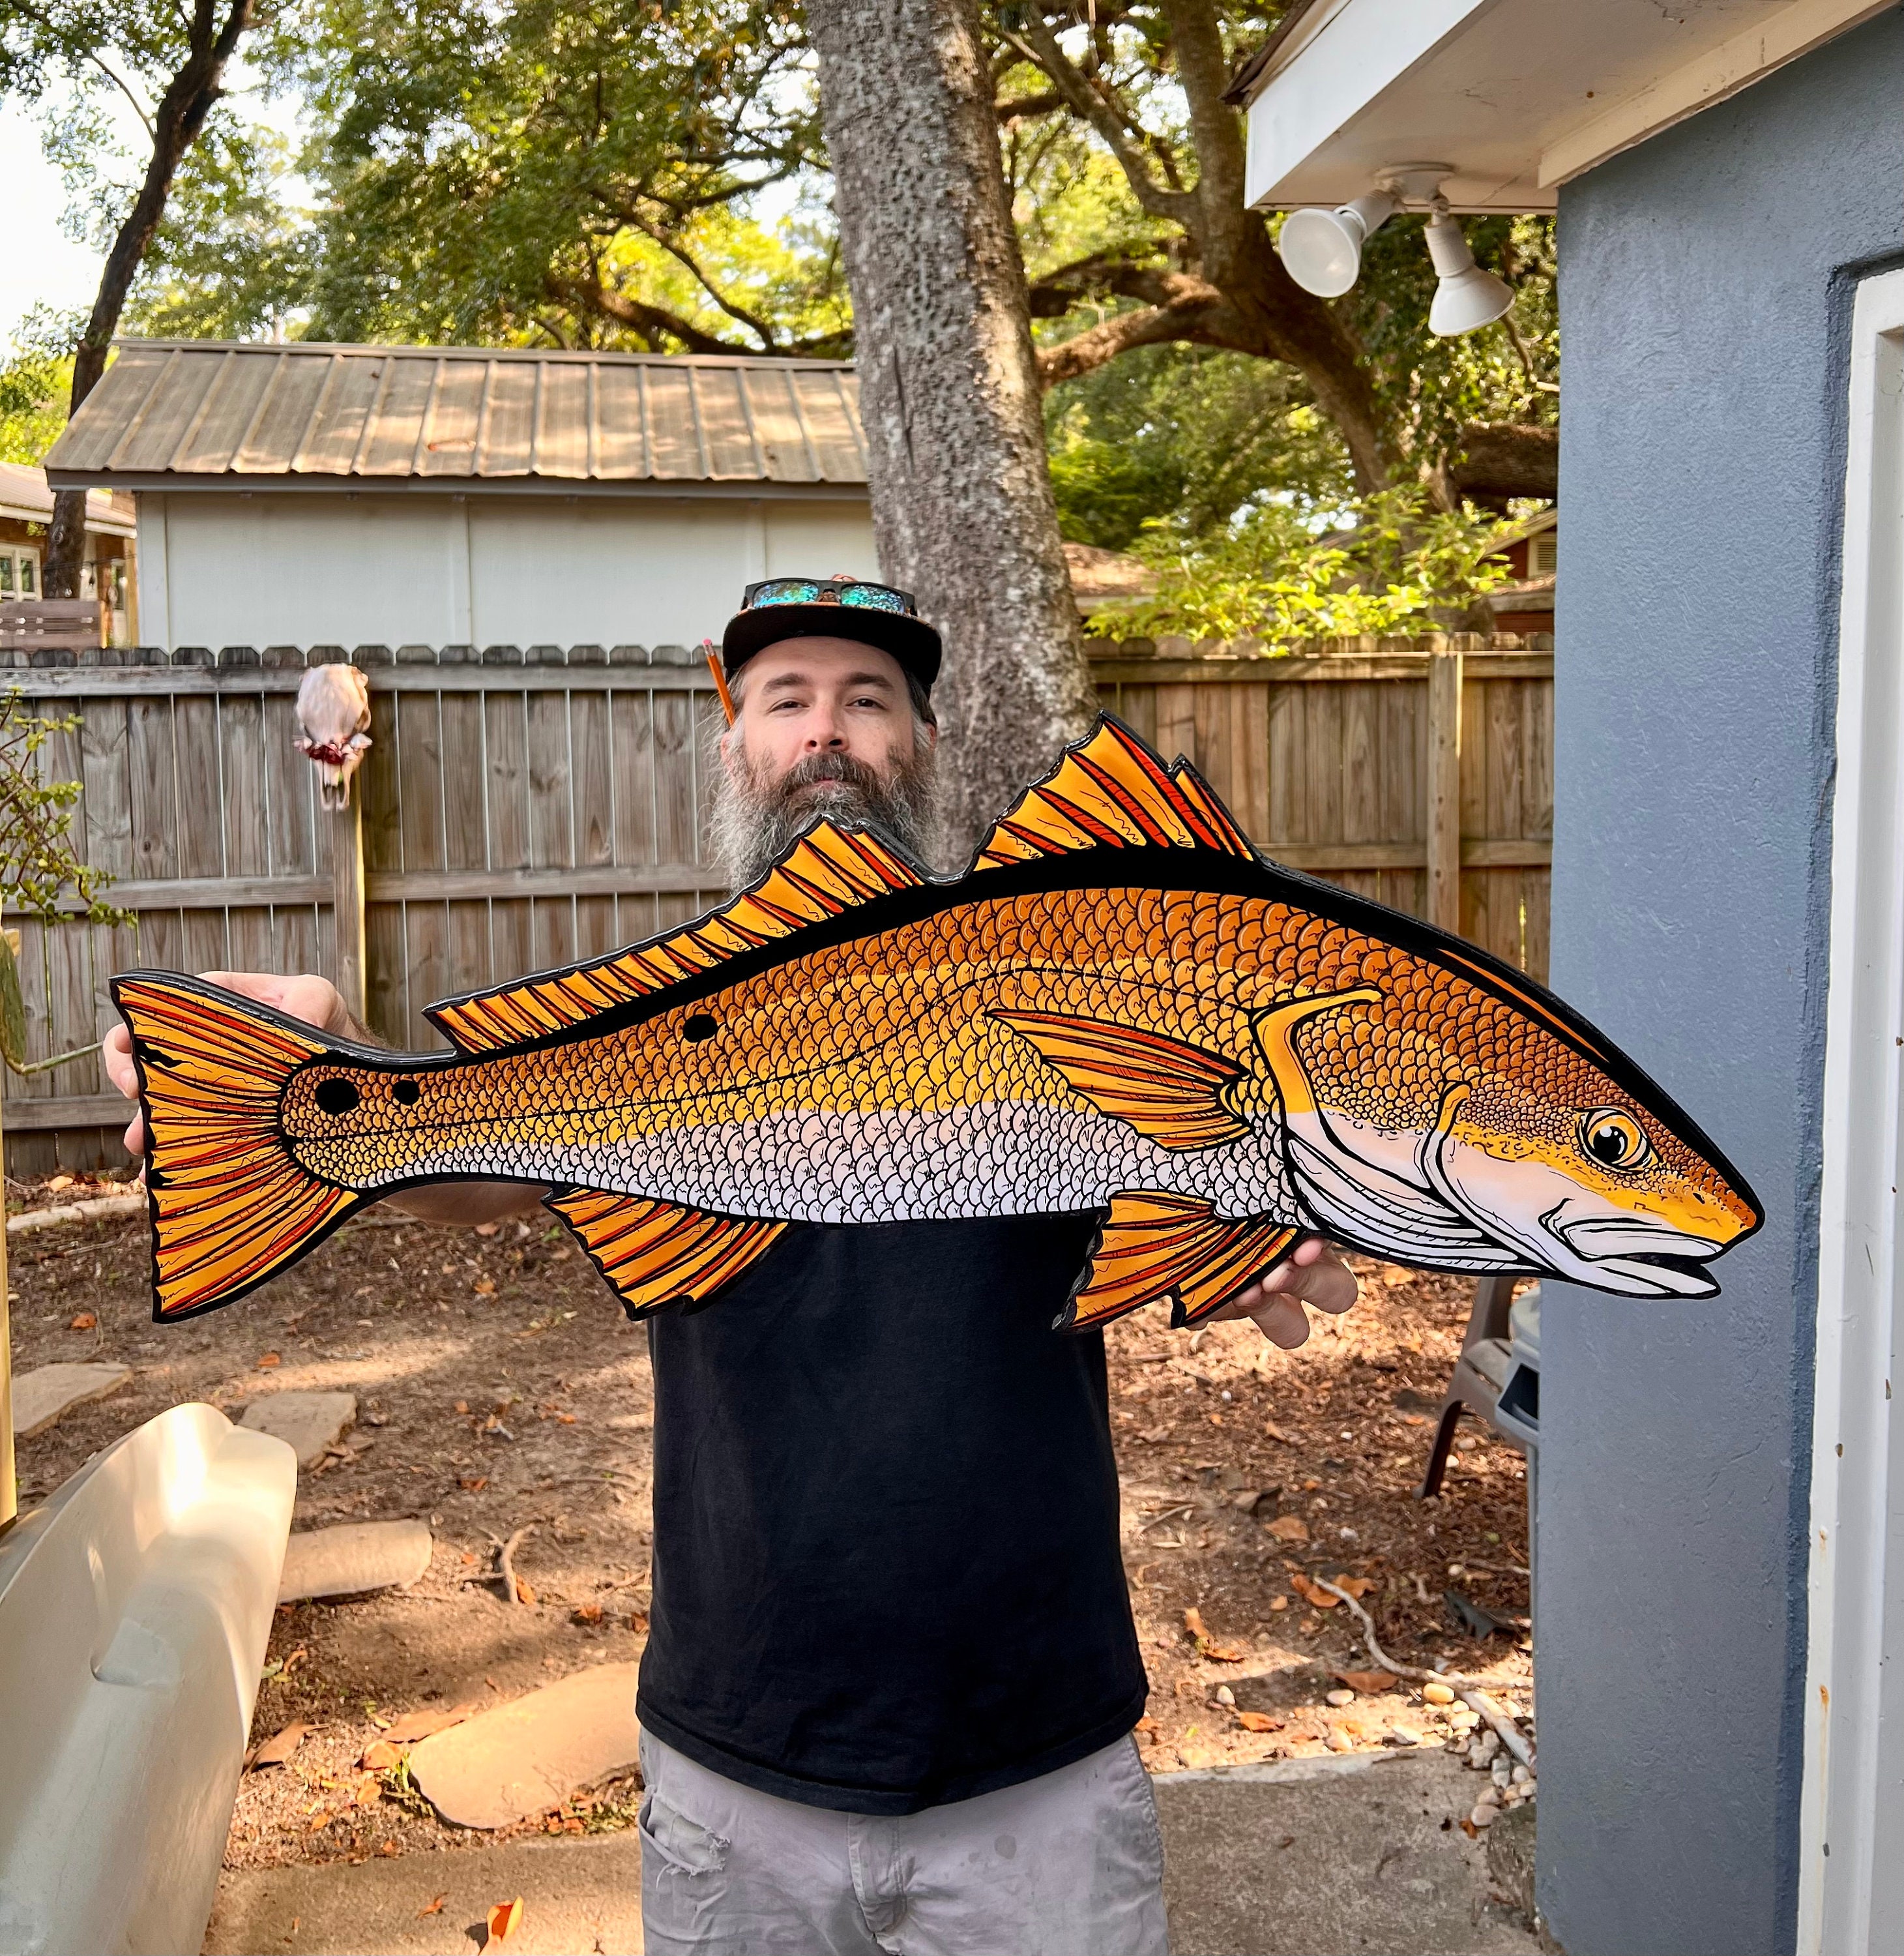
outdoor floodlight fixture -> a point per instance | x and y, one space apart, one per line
1467 296
1322 250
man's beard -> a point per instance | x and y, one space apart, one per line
756 819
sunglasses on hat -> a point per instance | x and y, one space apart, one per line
856 592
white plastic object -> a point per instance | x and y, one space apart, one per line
1467 296
134 1608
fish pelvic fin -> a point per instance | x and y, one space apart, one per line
1167 1089
657 1253
829 869
230 1205
1112 791
1152 1246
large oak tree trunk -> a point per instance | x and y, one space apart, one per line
961 502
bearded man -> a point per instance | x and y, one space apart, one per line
891 1674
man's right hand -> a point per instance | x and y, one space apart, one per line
316 1001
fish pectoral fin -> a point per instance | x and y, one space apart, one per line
656 1253
1152 1246
1167 1089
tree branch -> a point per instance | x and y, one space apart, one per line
1192 313
649 320
74 46
1039 46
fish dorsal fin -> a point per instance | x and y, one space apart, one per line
656 1254
1111 791
1152 1246
830 869
1165 1088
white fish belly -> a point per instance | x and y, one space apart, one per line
1007 1158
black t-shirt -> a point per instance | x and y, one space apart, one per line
886 1570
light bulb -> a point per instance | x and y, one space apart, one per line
1322 250
1467 296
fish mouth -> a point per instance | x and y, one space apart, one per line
1637 1258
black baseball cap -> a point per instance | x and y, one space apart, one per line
832 607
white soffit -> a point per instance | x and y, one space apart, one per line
1518 95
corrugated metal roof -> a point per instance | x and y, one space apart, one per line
25 497
187 412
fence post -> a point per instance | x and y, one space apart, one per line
347 899
1444 822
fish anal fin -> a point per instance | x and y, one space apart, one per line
829 869
1111 790
1167 1089
656 1254
1153 1246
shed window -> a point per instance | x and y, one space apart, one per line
1543 552
6 574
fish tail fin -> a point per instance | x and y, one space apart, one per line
230 1204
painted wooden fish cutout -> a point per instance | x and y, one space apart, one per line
1119 1007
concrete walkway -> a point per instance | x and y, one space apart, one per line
1350 1857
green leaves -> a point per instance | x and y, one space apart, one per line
1397 565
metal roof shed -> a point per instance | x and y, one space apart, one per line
312 493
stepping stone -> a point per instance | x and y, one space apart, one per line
353 1558
309 1422
48 1392
524 1757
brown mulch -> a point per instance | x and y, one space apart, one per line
500 1387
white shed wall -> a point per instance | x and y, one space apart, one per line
311 567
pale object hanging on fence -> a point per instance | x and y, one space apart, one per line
334 719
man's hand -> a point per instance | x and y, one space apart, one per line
314 1000
1313 1273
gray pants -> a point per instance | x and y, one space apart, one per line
1070 1864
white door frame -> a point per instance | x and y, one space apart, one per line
1851 1828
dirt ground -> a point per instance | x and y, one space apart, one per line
500 1390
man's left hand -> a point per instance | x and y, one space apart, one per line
1313 1273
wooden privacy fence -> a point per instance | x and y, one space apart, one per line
521 810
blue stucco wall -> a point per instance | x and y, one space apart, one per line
1706 285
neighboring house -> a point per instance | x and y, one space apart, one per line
27 508
1524 603
1721 1527
308 494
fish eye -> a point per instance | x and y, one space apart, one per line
699 1026
1613 1139
406 1092
336 1096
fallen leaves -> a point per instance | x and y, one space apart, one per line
1289 1527
1259 1721
267 1362
85 1321
1313 1593
585 1613
1276 1433
484 1286
472 1484
1368 1683
276 1750
433 1908
504 1919
1207 1645
380 1756
415 1725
